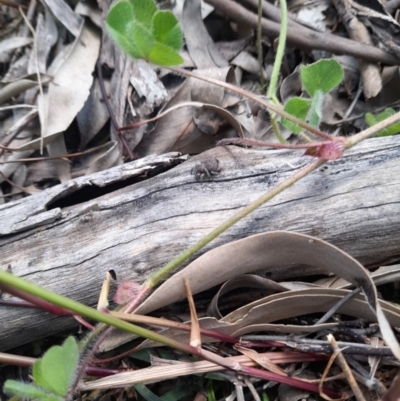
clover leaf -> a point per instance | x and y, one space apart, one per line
142 31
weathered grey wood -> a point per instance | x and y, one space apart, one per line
353 203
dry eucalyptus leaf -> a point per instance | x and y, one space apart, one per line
253 317
70 88
93 115
46 38
57 148
243 281
71 85
91 10
65 15
264 251
384 275
15 88
259 316
17 69
171 127
248 63
209 93
201 48
14 43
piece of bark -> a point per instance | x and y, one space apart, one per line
353 203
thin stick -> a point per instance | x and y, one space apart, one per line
39 79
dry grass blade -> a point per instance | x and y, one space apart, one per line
343 364
174 369
195 336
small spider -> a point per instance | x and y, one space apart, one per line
206 168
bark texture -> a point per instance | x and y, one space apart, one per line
67 237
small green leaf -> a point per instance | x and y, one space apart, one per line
52 397
316 109
142 31
144 11
391 130
120 15
23 389
142 37
119 19
164 56
324 75
166 29
56 370
297 107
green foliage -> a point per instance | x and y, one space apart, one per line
24 390
53 374
324 75
142 31
374 119
299 108
318 79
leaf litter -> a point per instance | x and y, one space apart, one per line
70 116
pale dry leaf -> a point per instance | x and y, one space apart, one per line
14 43
201 47
254 317
21 118
190 140
389 93
313 15
46 38
248 63
65 15
17 70
58 148
177 9
231 49
177 368
243 281
291 85
91 10
93 115
384 275
15 88
266 250
170 127
205 92
71 85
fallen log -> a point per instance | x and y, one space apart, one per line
67 237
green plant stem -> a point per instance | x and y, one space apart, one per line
271 94
279 53
275 127
259 44
171 266
8 282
